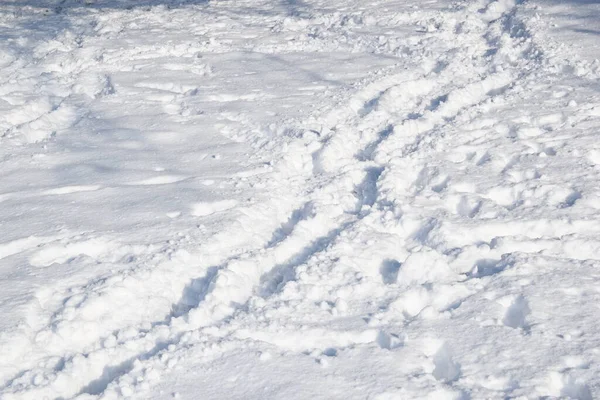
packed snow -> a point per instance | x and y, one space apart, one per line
299 199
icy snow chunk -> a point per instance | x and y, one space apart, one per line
425 266
389 341
516 313
446 369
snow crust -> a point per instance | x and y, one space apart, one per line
299 199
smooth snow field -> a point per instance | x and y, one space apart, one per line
299 199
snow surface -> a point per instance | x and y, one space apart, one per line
299 199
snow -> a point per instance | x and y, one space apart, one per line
299 199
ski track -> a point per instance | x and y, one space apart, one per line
429 162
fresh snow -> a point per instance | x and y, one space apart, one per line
299 199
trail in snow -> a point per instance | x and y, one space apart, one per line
297 200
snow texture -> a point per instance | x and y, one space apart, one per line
299 199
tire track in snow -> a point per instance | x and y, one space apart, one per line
457 100
470 95
417 299
236 281
321 244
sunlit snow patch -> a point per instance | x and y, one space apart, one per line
207 208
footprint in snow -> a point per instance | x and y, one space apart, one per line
389 271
